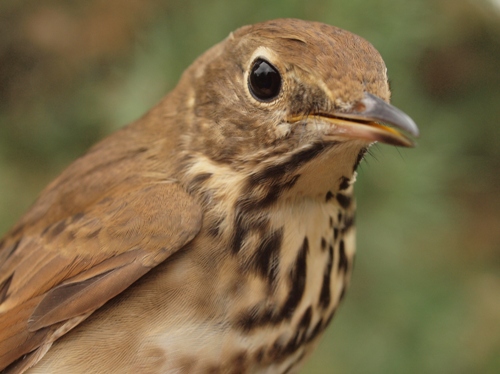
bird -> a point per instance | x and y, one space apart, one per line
216 233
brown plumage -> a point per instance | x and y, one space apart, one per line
216 233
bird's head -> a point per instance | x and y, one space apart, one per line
284 86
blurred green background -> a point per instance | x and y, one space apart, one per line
425 296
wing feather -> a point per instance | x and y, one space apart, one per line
50 279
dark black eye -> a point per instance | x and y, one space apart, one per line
264 81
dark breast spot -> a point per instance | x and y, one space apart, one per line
318 328
335 234
343 261
325 294
266 258
344 200
259 316
305 321
282 348
348 222
344 183
297 281
329 196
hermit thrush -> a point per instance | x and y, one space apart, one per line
216 233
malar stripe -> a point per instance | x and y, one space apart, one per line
295 161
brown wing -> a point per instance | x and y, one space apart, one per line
52 281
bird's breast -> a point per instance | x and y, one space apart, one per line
303 264
272 282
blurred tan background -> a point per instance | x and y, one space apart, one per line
425 296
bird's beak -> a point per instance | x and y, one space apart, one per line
368 120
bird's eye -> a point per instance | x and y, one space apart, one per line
264 80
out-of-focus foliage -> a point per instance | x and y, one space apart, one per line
425 296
